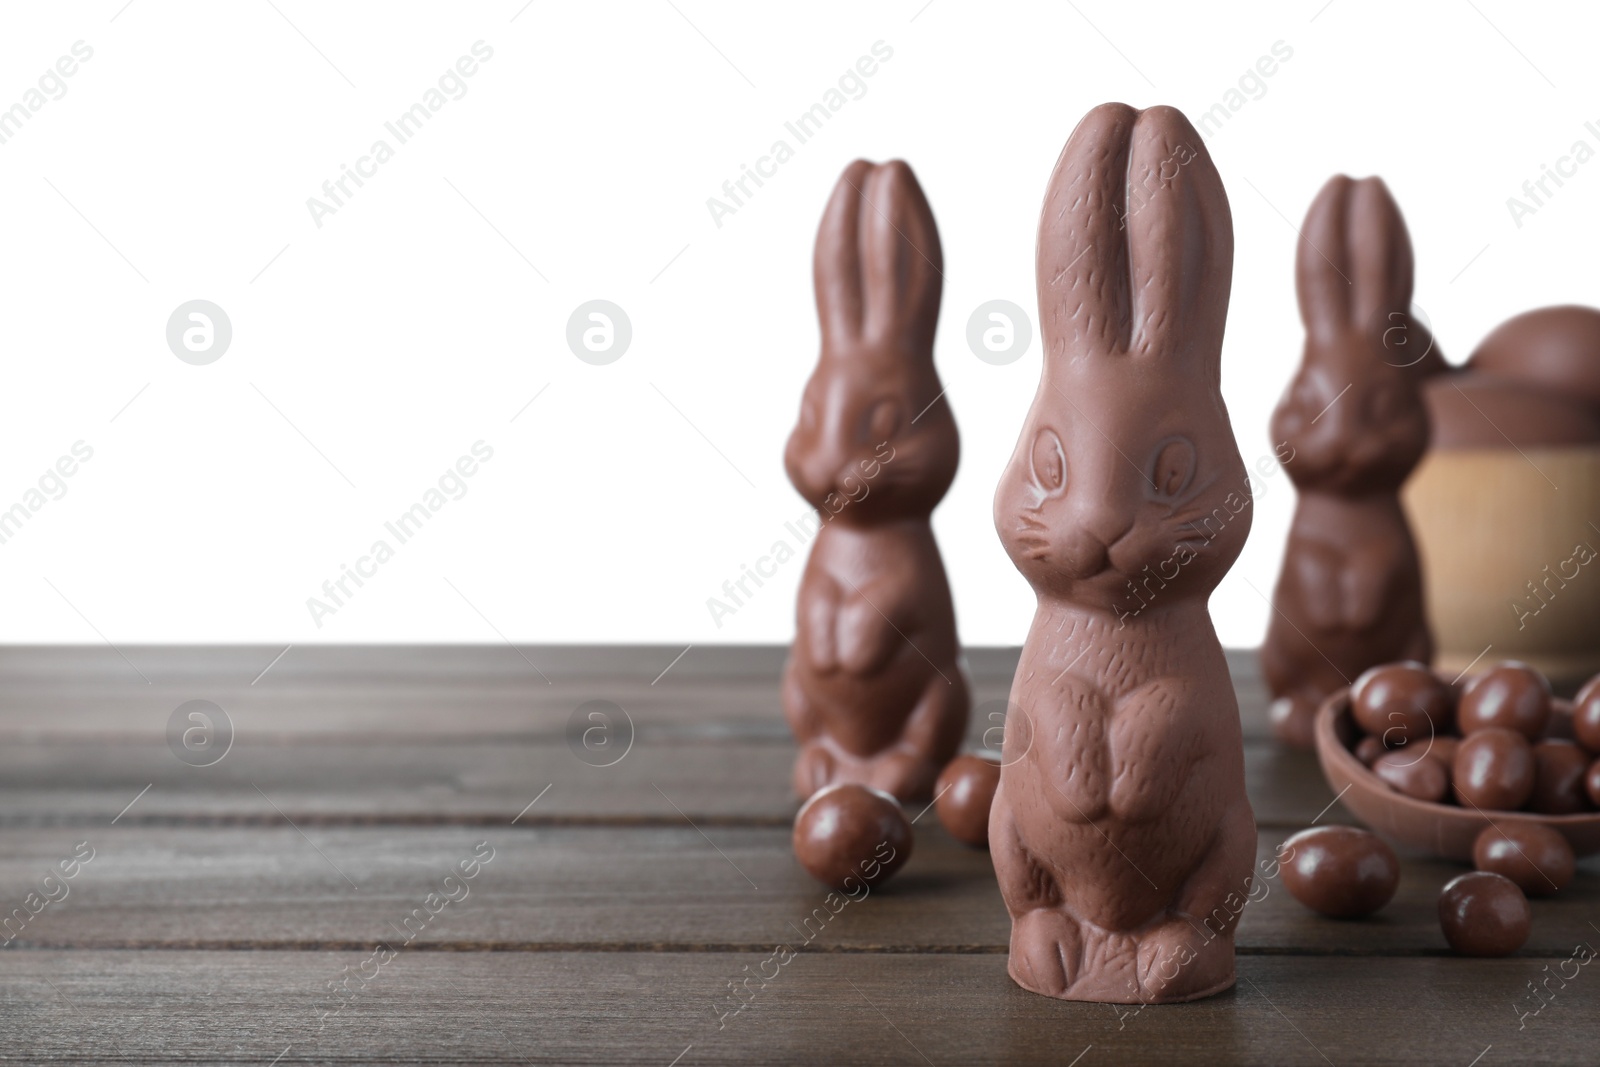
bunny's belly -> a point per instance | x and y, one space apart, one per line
1129 790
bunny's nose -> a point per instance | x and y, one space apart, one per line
1085 555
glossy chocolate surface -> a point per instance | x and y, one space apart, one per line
1484 914
873 691
1401 704
1340 871
1493 770
848 836
1558 772
1414 773
1537 858
1123 505
1586 715
1511 696
1352 425
965 792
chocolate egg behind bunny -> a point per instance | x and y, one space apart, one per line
873 691
1351 427
1120 832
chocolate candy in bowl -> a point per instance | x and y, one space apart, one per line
1558 771
1493 770
964 793
1508 696
1414 773
1586 715
1401 704
1591 782
1443 830
1535 857
1340 871
849 835
1484 914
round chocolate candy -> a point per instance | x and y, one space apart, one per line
964 793
1538 859
1493 770
1484 914
1558 727
1368 749
1340 871
1400 704
1558 770
1586 715
1591 783
1510 696
848 835
1413 773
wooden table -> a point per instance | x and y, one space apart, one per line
302 899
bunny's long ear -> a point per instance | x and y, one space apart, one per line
1082 256
836 266
879 267
904 269
1180 242
1354 264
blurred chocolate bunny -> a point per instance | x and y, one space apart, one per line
1350 593
873 690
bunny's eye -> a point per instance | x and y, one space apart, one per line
1172 468
1049 462
882 422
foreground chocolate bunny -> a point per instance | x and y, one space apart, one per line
872 689
1350 594
1121 833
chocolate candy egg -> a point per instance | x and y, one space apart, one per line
964 793
1558 771
848 835
1591 783
1538 859
1558 727
1413 773
1493 770
1400 703
1340 871
1484 914
1586 715
1510 696
1368 749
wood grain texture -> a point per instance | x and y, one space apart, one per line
648 1008
671 888
230 913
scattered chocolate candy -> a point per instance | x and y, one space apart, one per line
1538 859
1586 715
1368 749
848 835
1400 704
964 793
1484 914
1558 770
1413 773
1494 770
1340 871
1591 783
1510 696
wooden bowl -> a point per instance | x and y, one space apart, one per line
1490 521
1441 829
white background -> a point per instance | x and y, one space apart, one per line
415 321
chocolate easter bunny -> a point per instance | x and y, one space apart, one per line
1350 593
1121 833
872 689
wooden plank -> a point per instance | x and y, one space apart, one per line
717 780
654 1008
682 888
398 691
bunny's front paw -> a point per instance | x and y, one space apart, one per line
814 768
1177 962
904 775
1046 952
